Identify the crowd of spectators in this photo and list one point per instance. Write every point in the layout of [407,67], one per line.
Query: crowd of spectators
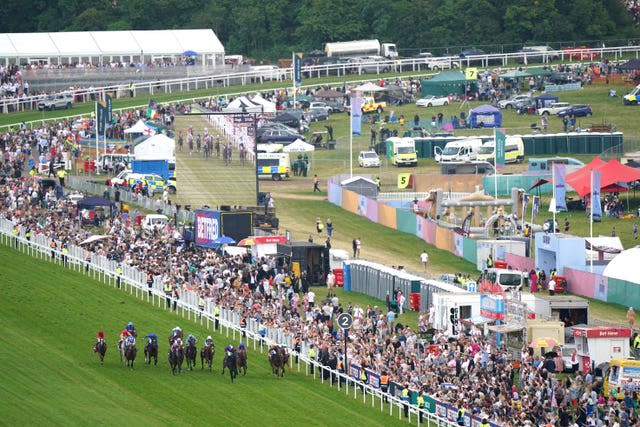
[634,8]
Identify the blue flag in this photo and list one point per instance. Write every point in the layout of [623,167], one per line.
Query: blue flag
[525,202]
[559,181]
[356,115]
[535,206]
[297,70]
[596,208]
[101,118]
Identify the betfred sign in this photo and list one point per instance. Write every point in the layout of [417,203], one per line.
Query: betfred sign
[602,332]
[207,224]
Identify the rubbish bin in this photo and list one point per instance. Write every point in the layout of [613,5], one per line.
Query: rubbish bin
[414,301]
[339,273]
[500,264]
[89,166]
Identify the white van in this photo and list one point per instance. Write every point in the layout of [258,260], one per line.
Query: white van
[462,150]
[513,150]
[507,279]
[153,222]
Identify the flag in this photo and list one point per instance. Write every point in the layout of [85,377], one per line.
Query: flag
[535,206]
[596,209]
[151,110]
[559,181]
[466,224]
[356,115]
[108,104]
[500,142]
[525,202]
[297,70]
[101,118]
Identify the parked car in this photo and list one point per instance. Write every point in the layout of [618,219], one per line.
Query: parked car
[280,136]
[317,114]
[563,78]
[432,101]
[580,53]
[119,180]
[56,101]
[478,61]
[321,105]
[553,108]
[368,159]
[430,62]
[373,64]
[512,101]
[581,110]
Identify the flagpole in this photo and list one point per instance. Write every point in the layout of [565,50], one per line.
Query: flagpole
[524,207]
[293,76]
[553,174]
[495,164]
[351,140]
[591,225]
[97,125]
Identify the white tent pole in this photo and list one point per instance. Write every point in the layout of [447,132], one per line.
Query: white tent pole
[591,225]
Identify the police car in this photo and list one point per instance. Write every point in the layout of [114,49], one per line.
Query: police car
[154,183]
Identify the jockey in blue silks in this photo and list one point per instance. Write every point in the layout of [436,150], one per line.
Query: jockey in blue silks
[152,337]
[191,339]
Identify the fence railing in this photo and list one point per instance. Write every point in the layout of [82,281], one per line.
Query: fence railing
[319,71]
[226,323]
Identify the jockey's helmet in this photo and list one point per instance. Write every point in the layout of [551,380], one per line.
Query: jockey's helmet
[209,338]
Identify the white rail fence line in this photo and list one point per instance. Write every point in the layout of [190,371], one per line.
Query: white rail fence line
[314,71]
[134,281]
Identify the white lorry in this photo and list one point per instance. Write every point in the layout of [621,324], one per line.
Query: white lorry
[462,150]
[361,48]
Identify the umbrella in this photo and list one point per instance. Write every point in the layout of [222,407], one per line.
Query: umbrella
[369,87]
[247,242]
[189,53]
[94,238]
[224,240]
[543,342]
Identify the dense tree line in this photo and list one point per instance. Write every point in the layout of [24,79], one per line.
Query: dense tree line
[274,28]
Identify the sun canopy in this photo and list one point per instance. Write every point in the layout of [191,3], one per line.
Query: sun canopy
[140,127]
[298,146]
[328,94]
[625,266]
[267,106]
[445,83]
[485,116]
[369,87]
[612,172]
[243,104]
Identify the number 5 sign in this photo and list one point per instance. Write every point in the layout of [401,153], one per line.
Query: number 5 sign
[345,320]
[404,180]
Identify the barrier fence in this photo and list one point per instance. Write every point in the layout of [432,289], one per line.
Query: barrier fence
[227,323]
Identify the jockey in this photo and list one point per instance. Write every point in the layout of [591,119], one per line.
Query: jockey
[99,339]
[242,347]
[131,329]
[175,333]
[123,335]
[209,341]
[229,350]
[192,340]
[177,343]
[152,337]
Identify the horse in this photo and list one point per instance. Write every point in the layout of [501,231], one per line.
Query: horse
[206,354]
[278,357]
[230,361]
[176,357]
[101,349]
[242,361]
[151,351]
[191,352]
[130,352]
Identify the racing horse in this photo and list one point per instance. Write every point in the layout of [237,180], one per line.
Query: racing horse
[101,348]
[191,353]
[151,351]
[230,361]
[176,357]
[242,360]
[206,355]
[130,352]
[278,358]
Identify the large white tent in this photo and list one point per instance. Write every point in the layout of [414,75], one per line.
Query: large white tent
[140,127]
[158,147]
[69,47]
[624,266]
[268,106]
[243,104]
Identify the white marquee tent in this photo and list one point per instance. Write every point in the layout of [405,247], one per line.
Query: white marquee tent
[158,147]
[268,106]
[624,266]
[70,47]
[243,104]
[140,127]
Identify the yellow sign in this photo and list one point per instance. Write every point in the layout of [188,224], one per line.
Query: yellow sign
[404,180]
[471,73]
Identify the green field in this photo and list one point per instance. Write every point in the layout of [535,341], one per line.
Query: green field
[50,376]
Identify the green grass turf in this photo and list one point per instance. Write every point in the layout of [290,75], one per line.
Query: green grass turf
[50,376]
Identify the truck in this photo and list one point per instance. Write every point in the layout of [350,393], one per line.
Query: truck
[402,151]
[157,167]
[361,48]
[513,153]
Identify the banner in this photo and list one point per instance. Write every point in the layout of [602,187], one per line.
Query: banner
[525,202]
[404,180]
[101,118]
[500,147]
[466,224]
[559,181]
[108,103]
[535,207]
[596,208]
[356,115]
[207,225]
[297,70]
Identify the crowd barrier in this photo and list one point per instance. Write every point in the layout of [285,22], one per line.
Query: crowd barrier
[228,323]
